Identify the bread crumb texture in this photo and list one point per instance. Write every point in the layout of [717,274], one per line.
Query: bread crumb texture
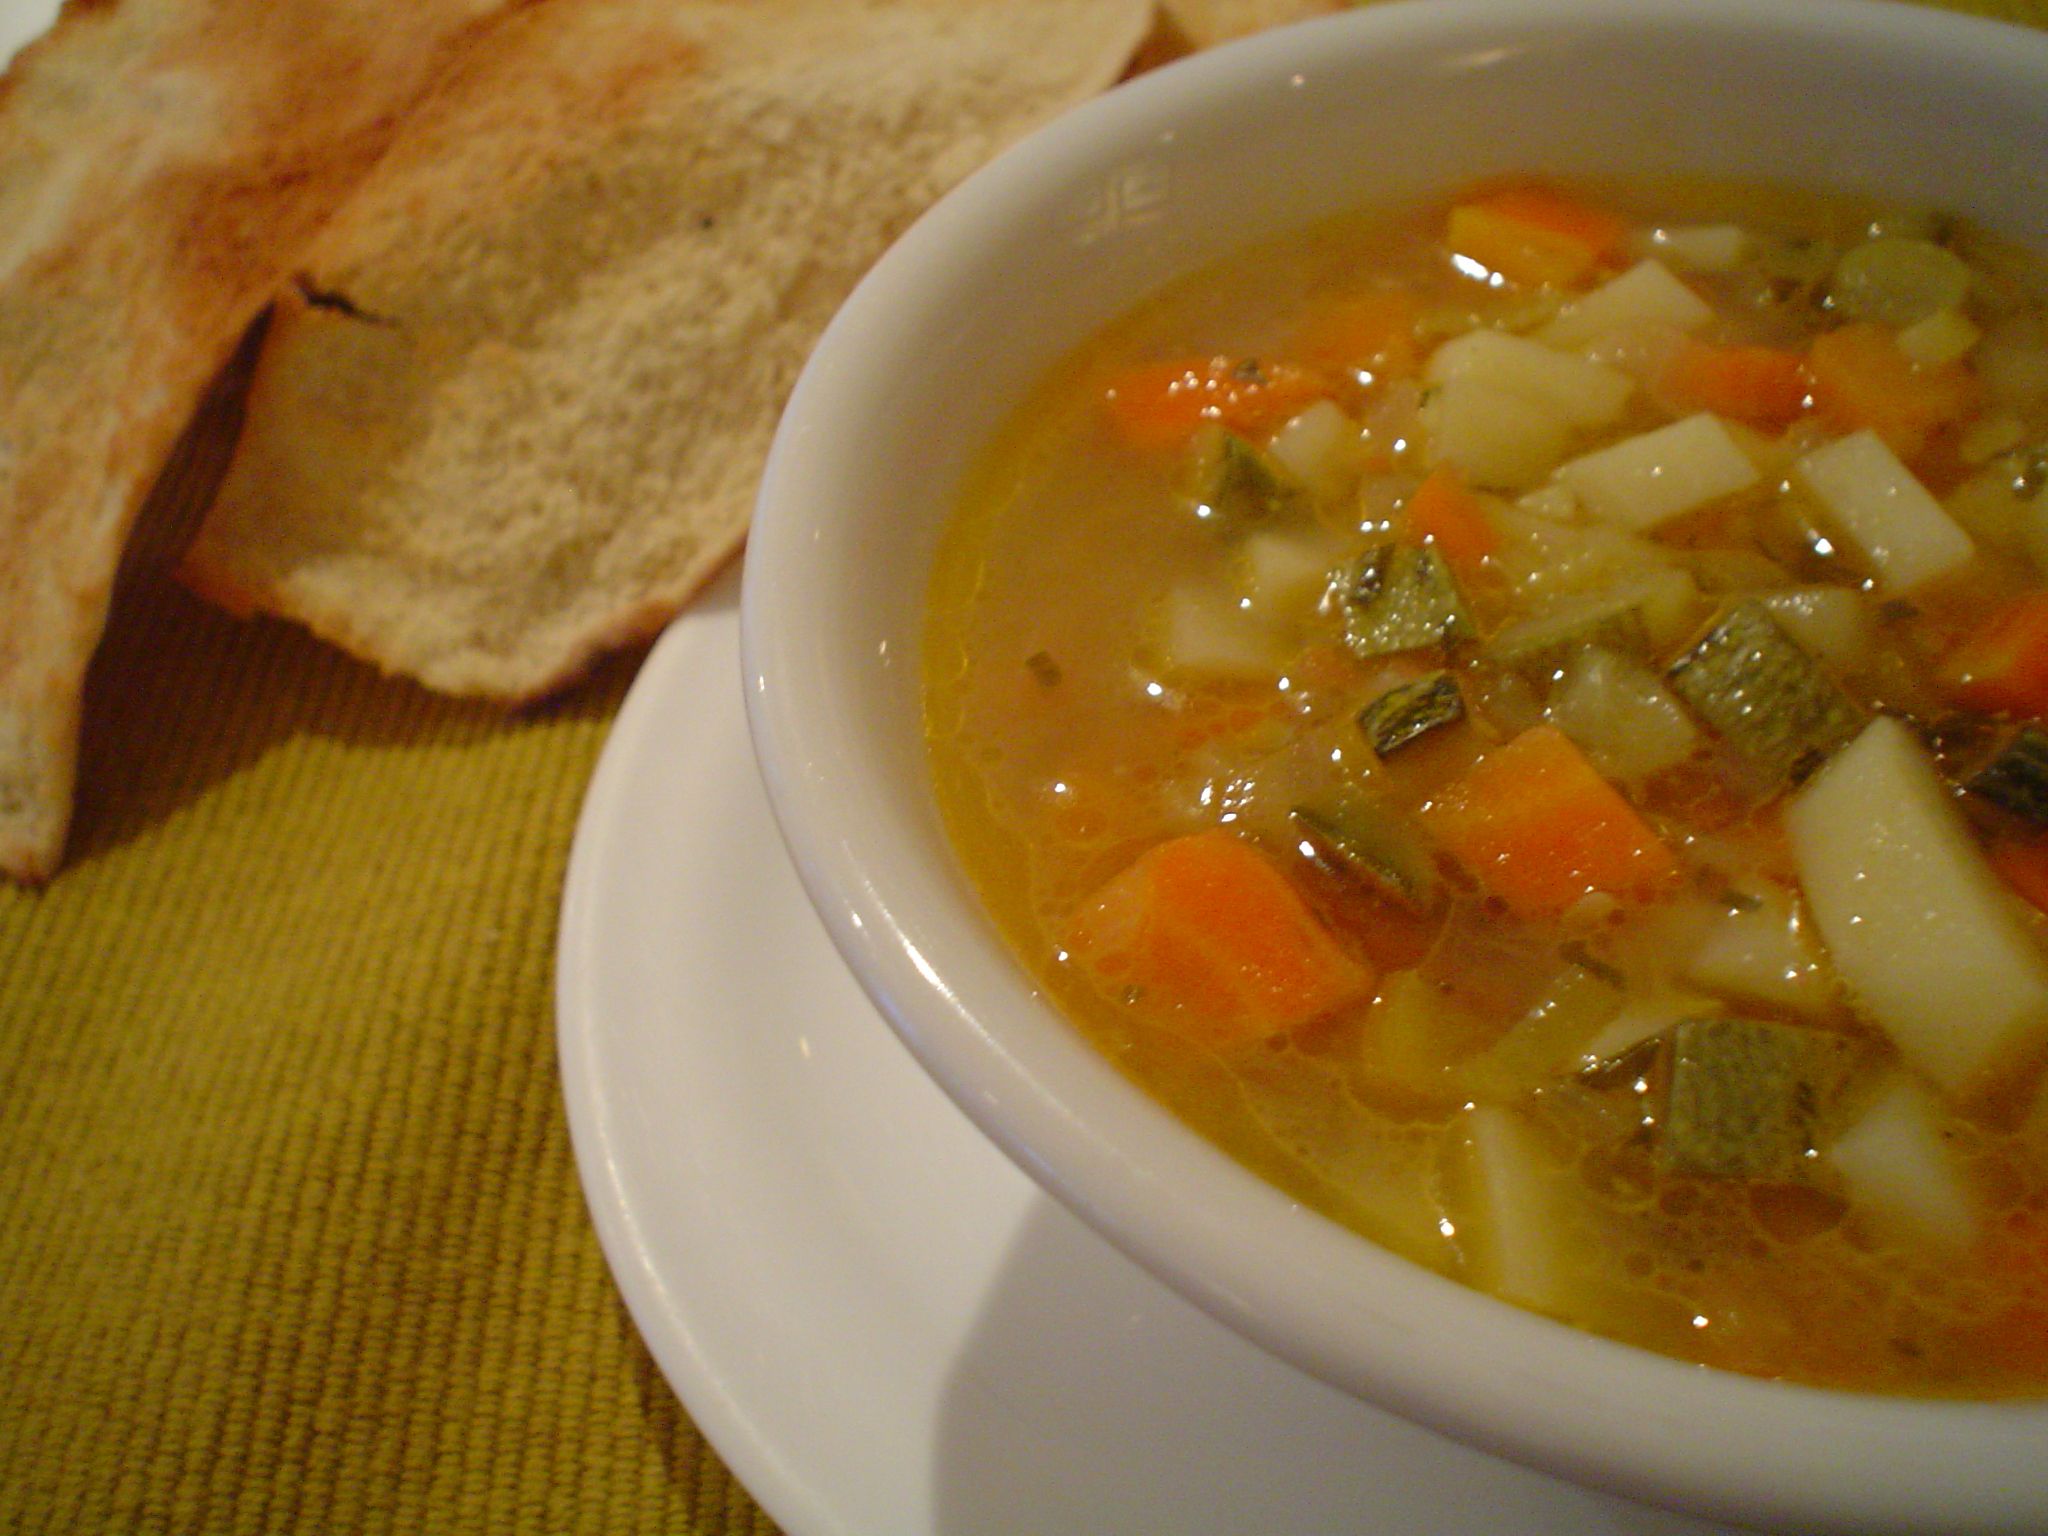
[517,409]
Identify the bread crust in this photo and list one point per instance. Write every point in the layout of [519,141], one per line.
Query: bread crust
[163,165]
[517,412]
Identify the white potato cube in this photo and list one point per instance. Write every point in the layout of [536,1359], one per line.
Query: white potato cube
[1877,505]
[1702,247]
[1924,933]
[1517,1250]
[1939,338]
[1586,394]
[1494,437]
[1212,632]
[1321,448]
[1624,718]
[1655,476]
[1764,954]
[1900,1170]
[1646,294]
[1830,624]
[1286,574]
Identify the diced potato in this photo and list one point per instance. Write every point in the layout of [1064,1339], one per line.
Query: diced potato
[1941,337]
[1899,1168]
[1654,476]
[1585,394]
[1994,509]
[1212,632]
[1877,505]
[1762,952]
[1553,501]
[1831,624]
[1321,448]
[1702,247]
[1626,721]
[1496,438]
[1646,293]
[1512,1239]
[1918,925]
[1286,574]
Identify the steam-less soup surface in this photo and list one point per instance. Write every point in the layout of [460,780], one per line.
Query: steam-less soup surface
[1520,719]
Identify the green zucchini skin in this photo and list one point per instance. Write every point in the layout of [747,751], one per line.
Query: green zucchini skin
[1747,1096]
[1403,598]
[1772,703]
[1410,711]
[2016,777]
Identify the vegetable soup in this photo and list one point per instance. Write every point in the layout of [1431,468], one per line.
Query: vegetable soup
[1522,719]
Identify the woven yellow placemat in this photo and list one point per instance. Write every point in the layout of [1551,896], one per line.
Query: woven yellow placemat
[290,1235]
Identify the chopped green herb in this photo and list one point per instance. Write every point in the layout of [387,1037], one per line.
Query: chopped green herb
[1371,850]
[1411,710]
[1575,952]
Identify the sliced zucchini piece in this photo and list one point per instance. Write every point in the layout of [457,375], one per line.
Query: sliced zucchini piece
[1897,280]
[1373,850]
[1746,1095]
[1237,484]
[1411,710]
[1769,700]
[2016,778]
[1402,598]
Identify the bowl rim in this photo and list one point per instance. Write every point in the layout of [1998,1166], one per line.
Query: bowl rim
[1925,1463]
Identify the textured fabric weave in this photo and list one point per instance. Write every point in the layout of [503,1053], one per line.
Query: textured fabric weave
[290,1236]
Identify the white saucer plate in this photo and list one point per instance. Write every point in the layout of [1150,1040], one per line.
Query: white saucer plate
[882,1325]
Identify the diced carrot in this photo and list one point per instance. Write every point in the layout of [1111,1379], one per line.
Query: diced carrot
[2024,864]
[1535,235]
[2002,665]
[1862,379]
[1536,825]
[1370,332]
[1216,942]
[1443,511]
[1161,405]
[1763,386]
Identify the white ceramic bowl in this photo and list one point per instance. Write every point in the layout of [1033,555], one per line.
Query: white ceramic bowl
[1026,260]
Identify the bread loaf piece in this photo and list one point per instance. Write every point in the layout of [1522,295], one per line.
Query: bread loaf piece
[516,411]
[163,166]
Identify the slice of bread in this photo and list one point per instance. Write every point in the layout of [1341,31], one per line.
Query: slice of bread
[163,166]
[516,410]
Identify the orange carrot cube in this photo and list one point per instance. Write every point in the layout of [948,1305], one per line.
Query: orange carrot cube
[1537,826]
